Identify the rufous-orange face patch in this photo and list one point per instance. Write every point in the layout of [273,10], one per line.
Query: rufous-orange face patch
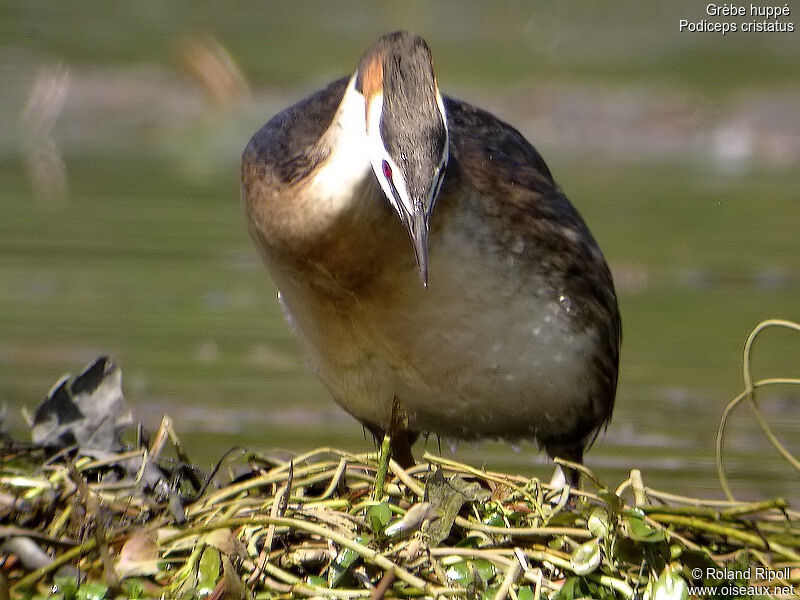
[372,77]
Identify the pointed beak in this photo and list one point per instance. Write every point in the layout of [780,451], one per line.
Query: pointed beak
[417,225]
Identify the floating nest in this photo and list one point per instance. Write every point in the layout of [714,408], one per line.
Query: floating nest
[82,518]
[78,527]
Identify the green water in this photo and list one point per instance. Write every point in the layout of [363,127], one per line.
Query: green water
[148,259]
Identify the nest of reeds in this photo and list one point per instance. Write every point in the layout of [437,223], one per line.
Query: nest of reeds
[309,526]
[83,522]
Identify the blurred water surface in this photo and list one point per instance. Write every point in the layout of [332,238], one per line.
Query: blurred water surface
[122,231]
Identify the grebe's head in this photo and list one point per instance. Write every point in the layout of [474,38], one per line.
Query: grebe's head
[406,131]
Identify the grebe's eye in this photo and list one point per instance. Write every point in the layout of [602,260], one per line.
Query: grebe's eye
[387,170]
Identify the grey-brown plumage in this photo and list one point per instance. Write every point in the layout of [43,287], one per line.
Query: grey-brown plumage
[516,334]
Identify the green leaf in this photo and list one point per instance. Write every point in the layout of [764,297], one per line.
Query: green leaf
[586,558]
[570,589]
[525,593]
[614,502]
[670,586]
[316,580]
[339,567]
[472,541]
[599,523]
[133,588]
[476,573]
[460,573]
[556,543]
[490,593]
[91,591]
[378,517]
[484,569]
[563,519]
[642,531]
[208,570]
[345,559]
[625,550]
[495,519]
[580,587]
[696,559]
[67,586]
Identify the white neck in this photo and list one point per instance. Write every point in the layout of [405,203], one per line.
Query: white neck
[336,183]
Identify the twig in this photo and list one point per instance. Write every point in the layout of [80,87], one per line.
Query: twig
[407,479]
[749,394]
[510,577]
[335,479]
[724,530]
[383,585]
[524,531]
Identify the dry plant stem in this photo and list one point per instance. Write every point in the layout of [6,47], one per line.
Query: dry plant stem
[749,394]
[614,583]
[299,587]
[301,458]
[537,591]
[667,497]
[500,556]
[510,577]
[234,490]
[276,585]
[310,591]
[524,531]
[639,493]
[622,487]
[113,460]
[672,534]
[176,441]
[753,507]
[766,427]
[732,532]
[407,479]
[383,586]
[160,439]
[731,513]
[335,479]
[438,571]
[275,511]
[765,563]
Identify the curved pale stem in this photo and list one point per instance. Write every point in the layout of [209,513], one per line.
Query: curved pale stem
[749,394]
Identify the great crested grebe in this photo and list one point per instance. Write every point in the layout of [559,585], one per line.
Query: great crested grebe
[499,319]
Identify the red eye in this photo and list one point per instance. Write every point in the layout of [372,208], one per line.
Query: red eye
[387,170]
